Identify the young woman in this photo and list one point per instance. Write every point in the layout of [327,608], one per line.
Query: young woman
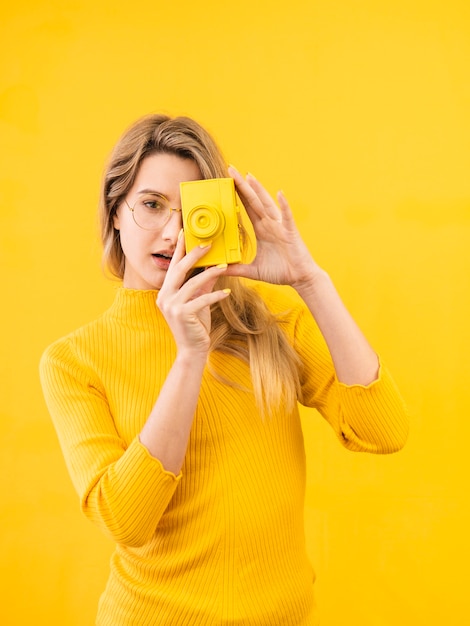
[177,409]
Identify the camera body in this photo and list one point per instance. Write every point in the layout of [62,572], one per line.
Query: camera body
[211,213]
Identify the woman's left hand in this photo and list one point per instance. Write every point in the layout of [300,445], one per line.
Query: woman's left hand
[281,257]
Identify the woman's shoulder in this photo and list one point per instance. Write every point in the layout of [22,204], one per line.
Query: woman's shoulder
[280,299]
[66,349]
[88,336]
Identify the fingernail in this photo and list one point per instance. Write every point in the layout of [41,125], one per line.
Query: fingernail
[205,245]
[227,291]
[251,175]
[222,266]
[232,167]
[180,234]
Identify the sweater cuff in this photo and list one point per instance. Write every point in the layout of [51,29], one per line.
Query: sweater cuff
[132,496]
[144,455]
[375,418]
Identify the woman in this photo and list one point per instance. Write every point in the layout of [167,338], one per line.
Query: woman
[177,409]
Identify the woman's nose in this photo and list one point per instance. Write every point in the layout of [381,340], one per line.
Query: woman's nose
[173,226]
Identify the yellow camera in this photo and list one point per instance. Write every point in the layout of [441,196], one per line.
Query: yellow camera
[211,214]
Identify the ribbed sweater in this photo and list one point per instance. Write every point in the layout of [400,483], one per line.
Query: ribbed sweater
[223,542]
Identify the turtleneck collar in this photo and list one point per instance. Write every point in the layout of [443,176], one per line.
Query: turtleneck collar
[135,305]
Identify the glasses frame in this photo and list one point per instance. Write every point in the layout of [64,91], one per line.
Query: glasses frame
[170,212]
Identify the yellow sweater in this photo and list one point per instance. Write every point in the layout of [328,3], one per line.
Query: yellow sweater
[223,542]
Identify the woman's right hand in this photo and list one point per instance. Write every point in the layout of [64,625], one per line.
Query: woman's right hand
[185,304]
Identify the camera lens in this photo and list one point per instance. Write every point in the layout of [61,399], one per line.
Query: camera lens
[205,221]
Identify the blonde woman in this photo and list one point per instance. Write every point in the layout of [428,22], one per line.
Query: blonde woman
[177,409]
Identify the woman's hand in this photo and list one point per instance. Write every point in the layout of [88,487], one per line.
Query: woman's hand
[185,304]
[282,256]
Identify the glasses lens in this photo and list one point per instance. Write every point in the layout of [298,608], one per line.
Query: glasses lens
[151,212]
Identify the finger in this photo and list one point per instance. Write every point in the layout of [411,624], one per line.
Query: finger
[286,211]
[206,299]
[202,282]
[243,270]
[181,264]
[247,195]
[265,198]
[254,196]
[180,249]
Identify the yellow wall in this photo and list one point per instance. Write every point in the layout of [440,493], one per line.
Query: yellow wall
[359,110]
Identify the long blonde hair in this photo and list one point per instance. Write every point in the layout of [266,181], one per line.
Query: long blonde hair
[241,325]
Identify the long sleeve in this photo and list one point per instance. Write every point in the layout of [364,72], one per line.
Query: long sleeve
[369,418]
[122,488]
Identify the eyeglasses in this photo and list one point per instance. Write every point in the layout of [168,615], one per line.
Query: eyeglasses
[151,211]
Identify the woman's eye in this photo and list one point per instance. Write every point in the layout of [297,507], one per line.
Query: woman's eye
[152,204]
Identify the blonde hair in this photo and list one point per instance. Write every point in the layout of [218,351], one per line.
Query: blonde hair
[241,325]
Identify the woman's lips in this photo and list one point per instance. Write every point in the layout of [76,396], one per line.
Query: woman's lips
[162,261]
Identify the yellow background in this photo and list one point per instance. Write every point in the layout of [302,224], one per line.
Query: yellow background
[359,111]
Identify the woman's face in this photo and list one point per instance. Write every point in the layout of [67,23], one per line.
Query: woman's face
[148,252]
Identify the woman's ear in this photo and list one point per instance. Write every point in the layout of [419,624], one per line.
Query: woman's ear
[116,220]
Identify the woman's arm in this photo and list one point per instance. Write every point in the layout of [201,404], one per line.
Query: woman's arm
[125,488]
[355,361]
[186,308]
[283,258]
[112,477]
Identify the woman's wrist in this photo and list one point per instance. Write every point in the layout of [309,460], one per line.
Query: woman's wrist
[308,286]
[191,359]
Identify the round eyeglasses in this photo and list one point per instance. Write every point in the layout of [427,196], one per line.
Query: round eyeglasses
[151,211]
